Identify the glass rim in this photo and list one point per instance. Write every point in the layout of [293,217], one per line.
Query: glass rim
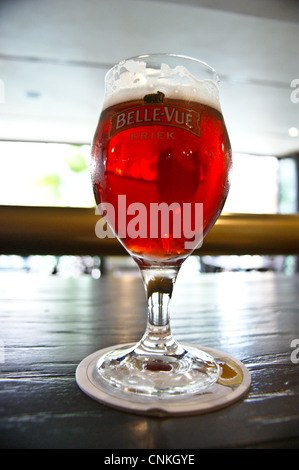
[166,54]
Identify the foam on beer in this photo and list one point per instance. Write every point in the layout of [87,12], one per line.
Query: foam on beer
[131,80]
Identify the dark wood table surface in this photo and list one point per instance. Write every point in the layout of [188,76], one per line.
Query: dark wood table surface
[50,323]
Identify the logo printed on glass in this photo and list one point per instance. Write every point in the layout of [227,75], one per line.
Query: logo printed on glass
[153,112]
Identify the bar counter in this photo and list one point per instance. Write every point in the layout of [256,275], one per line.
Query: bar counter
[50,323]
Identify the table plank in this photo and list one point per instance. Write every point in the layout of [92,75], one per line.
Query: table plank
[49,324]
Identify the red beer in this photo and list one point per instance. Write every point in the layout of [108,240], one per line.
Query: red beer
[161,150]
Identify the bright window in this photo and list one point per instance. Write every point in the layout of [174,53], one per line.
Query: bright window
[46,174]
[39,174]
[254,185]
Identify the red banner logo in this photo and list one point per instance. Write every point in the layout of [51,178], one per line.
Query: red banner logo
[157,114]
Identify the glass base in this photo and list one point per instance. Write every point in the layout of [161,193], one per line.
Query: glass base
[133,371]
[152,390]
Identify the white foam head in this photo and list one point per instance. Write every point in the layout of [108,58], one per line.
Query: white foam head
[132,79]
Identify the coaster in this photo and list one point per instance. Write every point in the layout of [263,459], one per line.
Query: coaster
[232,385]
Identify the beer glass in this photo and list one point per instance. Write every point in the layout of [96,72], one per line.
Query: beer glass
[161,162]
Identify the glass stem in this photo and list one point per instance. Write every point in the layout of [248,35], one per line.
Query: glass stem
[158,339]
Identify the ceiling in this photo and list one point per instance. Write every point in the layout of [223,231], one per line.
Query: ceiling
[54,55]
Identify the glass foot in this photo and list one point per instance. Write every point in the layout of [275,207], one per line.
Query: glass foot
[163,386]
[133,371]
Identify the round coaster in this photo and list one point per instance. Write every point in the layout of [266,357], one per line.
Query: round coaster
[233,383]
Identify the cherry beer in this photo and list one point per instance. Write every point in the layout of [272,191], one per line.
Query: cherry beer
[161,149]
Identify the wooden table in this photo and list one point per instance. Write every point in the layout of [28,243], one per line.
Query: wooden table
[49,324]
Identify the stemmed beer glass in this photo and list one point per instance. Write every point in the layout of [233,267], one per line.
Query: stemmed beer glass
[161,162]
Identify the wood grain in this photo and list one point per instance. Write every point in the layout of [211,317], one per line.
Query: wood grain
[49,324]
[69,231]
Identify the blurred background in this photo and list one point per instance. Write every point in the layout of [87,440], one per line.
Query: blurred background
[53,59]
